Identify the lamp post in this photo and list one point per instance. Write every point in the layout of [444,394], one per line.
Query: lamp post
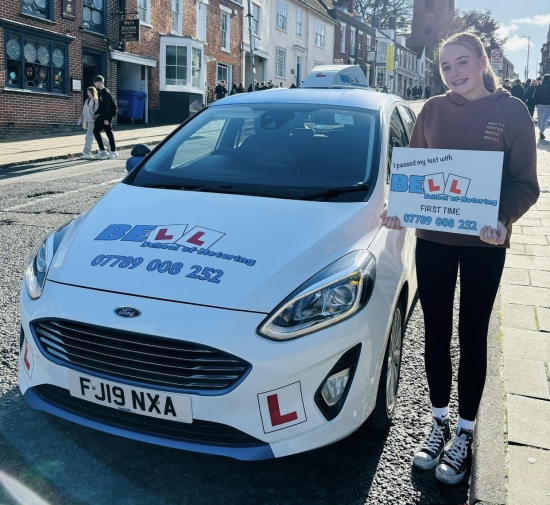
[528,47]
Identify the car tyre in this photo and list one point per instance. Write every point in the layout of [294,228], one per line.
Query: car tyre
[386,398]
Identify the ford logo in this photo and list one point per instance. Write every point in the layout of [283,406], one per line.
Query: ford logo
[127,312]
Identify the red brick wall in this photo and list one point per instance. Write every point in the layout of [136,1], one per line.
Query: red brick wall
[27,112]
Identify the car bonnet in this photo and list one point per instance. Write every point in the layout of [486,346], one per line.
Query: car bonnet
[258,249]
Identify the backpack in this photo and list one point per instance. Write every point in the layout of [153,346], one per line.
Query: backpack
[543,93]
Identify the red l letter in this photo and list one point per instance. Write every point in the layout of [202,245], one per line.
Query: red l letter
[161,235]
[454,188]
[275,412]
[195,238]
[432,186]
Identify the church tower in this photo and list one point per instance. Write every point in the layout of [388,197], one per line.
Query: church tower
[431,22]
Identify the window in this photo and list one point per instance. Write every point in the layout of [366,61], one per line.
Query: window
[223,73]
[280,62]
[381,52]
[422,68]
[397,138]
[255,19]
[176,65]
[144,14]
[369,42]
[281,14]
[408,119]
[429,5]
[225,31]
[39,8]
[343,38]
[196,67]
[35,63]
[93,15]
[176,16]
[380,76]
[201,21]
[299,16]
[320,34]
[352,43]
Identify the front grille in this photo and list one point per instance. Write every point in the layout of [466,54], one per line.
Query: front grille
[138,359]
[198,431]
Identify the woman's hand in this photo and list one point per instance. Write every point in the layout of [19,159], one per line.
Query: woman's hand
[392,222]
[492,236]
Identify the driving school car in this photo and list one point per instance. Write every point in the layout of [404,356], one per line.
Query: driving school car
[235,294]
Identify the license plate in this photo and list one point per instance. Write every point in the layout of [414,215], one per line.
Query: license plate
[145,402]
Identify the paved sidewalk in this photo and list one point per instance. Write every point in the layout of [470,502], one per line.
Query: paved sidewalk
[46,147]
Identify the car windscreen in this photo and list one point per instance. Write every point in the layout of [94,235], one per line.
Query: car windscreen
[297,151]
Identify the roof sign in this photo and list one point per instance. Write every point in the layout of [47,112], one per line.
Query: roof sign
[336,76]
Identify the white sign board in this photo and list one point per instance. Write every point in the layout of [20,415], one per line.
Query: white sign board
[445,189]
[338,61]
[497,59]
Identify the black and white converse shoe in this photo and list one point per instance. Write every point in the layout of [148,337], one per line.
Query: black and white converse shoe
[427,455]
[456,458]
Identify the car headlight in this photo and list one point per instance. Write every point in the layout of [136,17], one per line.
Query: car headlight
[40,259]
[335,293]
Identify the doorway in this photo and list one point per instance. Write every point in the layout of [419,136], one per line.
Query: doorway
[93,63]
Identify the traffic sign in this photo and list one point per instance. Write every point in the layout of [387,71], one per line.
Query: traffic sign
[497,57]
[338,61]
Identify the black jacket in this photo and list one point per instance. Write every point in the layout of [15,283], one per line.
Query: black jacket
[542,94]
[107,105]
[530,92]
[518,91]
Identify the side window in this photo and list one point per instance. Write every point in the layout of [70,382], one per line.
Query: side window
[397,138]
[408,118]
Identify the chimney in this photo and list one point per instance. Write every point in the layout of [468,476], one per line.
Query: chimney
[348,4]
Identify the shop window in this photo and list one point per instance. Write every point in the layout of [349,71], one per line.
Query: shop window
[39,8]
[93,15]
[35,63]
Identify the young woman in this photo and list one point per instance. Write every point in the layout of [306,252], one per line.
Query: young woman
[87,120]
[458,120]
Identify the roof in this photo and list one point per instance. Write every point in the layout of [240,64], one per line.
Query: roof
[322,7]
[362,98]
[417,49]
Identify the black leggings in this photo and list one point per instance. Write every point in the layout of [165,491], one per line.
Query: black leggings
[98,126]
[480,273]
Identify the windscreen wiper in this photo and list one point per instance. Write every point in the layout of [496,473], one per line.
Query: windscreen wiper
[213,188]
[337,190]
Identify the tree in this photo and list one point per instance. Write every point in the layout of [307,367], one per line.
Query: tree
[384,9]
[481,24]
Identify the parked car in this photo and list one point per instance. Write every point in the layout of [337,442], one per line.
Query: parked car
[235,294]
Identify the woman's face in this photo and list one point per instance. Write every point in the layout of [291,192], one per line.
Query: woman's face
[90,94]
[462,70]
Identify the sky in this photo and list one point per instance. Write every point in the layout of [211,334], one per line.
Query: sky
[518,18]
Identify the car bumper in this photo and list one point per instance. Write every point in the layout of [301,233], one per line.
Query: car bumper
[293,370]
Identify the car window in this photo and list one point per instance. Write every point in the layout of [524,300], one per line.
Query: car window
[397,138]
[280,150]
[408,119]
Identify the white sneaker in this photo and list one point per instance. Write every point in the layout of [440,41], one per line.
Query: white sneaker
[101,155]
[113,155]
[86,157]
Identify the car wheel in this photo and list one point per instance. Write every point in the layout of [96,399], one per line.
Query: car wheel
[386,398]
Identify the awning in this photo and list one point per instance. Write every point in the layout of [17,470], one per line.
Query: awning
[134,58]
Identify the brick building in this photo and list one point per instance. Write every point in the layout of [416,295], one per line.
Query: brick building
[353,38]
[49,51]
[545,56]
[431,22]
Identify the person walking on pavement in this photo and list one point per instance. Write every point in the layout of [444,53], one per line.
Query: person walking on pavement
[542,101]
[240,88]
[457,120]
[103,118]
[530,97]
[89,110]
[234,90]
[526,85]
[427,92]
[506,85]
[409,92]
[414,92]
[518,90]
[220,90]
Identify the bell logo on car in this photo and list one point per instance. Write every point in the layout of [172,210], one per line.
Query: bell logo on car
[127,312]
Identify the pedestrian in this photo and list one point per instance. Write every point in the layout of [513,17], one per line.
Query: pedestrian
[542,101]
[414,92]
[518,90]
[377,89]
[269,84]
[530,97]
[385,89]
[449,122]
[526,85]
[409,92]
[255,86]
[234,89]
[281,84]
[103,119]
[506,85]
[220,90]
[89,110]
[240,89]
[427,91]
[262,86]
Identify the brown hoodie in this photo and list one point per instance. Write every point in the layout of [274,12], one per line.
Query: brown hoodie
[498,122]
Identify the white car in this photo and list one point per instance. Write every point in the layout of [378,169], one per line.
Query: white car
[235,294]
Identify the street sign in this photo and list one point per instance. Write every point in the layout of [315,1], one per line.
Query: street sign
[497,58]
[128,30]
[338,61]
[370,56]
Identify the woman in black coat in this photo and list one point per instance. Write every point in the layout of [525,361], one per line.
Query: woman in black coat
[530,97]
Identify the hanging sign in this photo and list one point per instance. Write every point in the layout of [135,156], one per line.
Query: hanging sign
[67,9]
[128,30]
[445,189]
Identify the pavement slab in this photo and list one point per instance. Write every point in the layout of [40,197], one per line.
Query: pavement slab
[529,262]
[539,278]
[528,421]
[516,248]
[537,250]
[519,316]
[530,230]
[515,276]
[526,378]
[525,344]
[528,239]
[527,294]
[526,221]
[543,314]
[529,482]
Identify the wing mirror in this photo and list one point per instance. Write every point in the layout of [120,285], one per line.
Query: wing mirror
[139,152]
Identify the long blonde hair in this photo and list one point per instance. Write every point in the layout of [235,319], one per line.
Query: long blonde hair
[474,44]
[93,91]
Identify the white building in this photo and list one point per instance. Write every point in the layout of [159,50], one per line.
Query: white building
[301,36]
[262,23]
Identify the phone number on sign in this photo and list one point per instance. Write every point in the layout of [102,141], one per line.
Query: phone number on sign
[197,272]
[440,221]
